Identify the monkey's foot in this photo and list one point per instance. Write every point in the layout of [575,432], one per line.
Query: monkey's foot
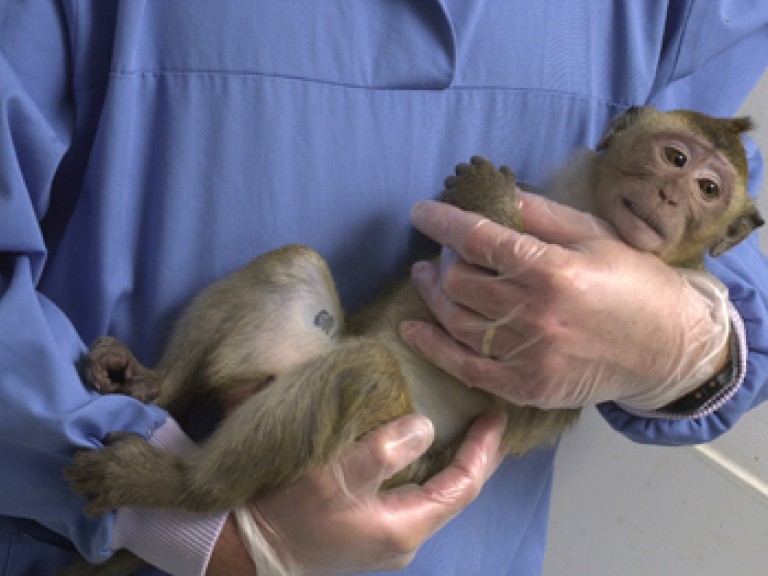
[129,472]
[111,367]
[482,188]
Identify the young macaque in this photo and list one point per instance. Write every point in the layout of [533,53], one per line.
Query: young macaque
[299,383]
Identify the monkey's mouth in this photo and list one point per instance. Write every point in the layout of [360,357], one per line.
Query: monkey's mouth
[643,216]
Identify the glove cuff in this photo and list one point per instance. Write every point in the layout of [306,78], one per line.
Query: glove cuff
[263,555]
[710,392]
[712,398]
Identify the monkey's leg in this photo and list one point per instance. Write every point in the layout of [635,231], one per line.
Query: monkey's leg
[273,314]
[302,420]
[482,188]
[111,367]
[305,421]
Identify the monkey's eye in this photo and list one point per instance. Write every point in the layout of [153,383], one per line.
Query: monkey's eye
[709,189]
[675,157]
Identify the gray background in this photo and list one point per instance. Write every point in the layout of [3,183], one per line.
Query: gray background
[757,107]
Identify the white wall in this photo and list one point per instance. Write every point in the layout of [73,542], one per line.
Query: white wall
[621,509]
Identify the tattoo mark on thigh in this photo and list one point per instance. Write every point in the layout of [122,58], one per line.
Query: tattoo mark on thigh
[324,320]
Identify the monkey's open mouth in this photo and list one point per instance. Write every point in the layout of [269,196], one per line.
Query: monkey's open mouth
[643,216]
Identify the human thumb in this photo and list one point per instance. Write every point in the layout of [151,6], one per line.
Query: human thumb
[557,223]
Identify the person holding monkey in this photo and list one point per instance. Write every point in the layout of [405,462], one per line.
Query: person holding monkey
[130,127]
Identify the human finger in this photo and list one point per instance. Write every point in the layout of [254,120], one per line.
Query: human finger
[558,223]
[382,453]
[475,238]
[464,324]
[499,298]
[458,360]
[425,509]
[482,242]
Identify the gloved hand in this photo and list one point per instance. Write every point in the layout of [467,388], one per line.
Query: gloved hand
[336,520]
[566,315]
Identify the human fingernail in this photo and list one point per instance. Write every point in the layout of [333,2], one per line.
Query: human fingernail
[423,271]
[415,433]
[417,209]
[521,197]
[409,331]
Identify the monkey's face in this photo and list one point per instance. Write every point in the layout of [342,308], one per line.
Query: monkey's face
[668,192]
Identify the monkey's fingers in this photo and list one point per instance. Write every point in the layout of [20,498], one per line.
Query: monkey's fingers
[481,188]
[86,482]
[107,364]
[144,386]
[111,367]
[108,477]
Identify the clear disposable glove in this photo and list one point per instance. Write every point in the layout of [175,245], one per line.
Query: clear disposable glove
[337,521]
[565,315]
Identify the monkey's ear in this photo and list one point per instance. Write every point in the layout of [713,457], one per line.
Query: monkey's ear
[620,123]
[741,124]
[740,228]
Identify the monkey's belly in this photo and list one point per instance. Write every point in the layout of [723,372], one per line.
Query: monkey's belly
[450,404]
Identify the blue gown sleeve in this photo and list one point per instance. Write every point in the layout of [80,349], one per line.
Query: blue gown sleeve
[713,56]
[46,413]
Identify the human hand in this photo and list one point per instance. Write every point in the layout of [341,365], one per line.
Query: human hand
[566,315]
[337,520]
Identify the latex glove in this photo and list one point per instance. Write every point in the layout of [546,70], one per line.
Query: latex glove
[337,521]
[566,315]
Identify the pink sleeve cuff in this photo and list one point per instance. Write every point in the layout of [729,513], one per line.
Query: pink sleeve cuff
[175,542]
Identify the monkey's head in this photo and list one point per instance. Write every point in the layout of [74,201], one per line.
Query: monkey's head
[674,183]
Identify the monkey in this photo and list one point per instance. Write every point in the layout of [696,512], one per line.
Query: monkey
[299,382]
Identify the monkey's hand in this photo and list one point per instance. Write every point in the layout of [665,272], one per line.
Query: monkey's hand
[569,317]
[111,367]
[337,520]
[482,188]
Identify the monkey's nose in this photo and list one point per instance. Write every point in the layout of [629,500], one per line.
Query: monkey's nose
[666,198]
